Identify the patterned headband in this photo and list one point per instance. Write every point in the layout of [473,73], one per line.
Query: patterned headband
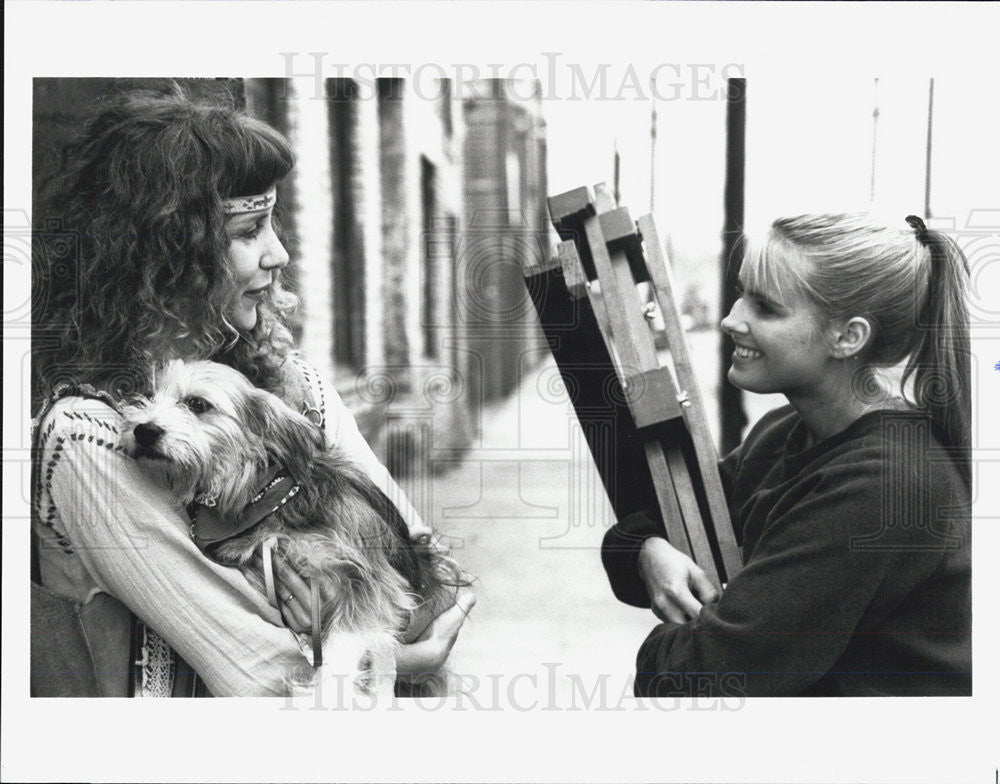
[241,204]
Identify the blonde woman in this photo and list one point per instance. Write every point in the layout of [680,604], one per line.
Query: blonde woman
[851,503]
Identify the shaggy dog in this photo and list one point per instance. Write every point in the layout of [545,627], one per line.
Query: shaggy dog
[260,473]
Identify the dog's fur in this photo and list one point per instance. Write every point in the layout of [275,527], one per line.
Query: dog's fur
[338,528]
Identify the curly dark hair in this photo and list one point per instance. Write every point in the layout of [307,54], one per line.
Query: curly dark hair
[139,194]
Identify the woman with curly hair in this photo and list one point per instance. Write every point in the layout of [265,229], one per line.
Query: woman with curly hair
[851,503]
[175,254]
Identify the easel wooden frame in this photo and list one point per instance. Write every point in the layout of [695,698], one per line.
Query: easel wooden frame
[651,444]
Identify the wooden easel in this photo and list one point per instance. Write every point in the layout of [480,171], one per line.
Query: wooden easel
[650,442]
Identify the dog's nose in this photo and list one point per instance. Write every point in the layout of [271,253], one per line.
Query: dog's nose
[146,434]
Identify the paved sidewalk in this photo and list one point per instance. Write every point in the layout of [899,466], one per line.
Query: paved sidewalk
[525,512]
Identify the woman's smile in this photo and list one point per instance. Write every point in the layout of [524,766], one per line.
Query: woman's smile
[745,353]
[780,345]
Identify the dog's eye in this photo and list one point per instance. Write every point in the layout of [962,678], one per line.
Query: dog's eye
[198,405]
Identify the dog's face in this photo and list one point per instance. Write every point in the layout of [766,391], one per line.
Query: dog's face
[207,432]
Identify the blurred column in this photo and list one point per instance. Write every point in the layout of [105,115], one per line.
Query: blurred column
[350,251]
[504,177]
[369,219]
[393,176]
[308,131]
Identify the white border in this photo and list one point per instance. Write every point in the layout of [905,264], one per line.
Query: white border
[770,740]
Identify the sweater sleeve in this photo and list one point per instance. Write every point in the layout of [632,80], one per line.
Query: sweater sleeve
[623,543]
[784,620]
[620,555]
[342,431]
[132,537]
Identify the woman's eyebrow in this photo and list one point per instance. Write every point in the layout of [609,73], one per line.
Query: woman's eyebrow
[762,297]
[247,218]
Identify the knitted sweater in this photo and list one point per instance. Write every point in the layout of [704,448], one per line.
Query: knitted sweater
[857,570]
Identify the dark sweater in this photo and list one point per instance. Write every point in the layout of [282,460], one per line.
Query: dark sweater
[857,575]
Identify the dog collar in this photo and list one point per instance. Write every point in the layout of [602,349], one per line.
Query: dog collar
[209,526]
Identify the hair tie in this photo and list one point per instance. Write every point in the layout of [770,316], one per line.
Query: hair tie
[919,229]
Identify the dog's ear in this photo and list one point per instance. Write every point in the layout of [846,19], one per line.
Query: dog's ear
[289,437]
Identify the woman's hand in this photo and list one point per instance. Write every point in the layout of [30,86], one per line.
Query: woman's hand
[430,650]
[294,598]
[427,653]
[677,586]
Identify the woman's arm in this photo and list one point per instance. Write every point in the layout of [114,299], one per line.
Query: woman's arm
[785,619]
[620,552]
[626,543]
[132,537]
[342,430]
